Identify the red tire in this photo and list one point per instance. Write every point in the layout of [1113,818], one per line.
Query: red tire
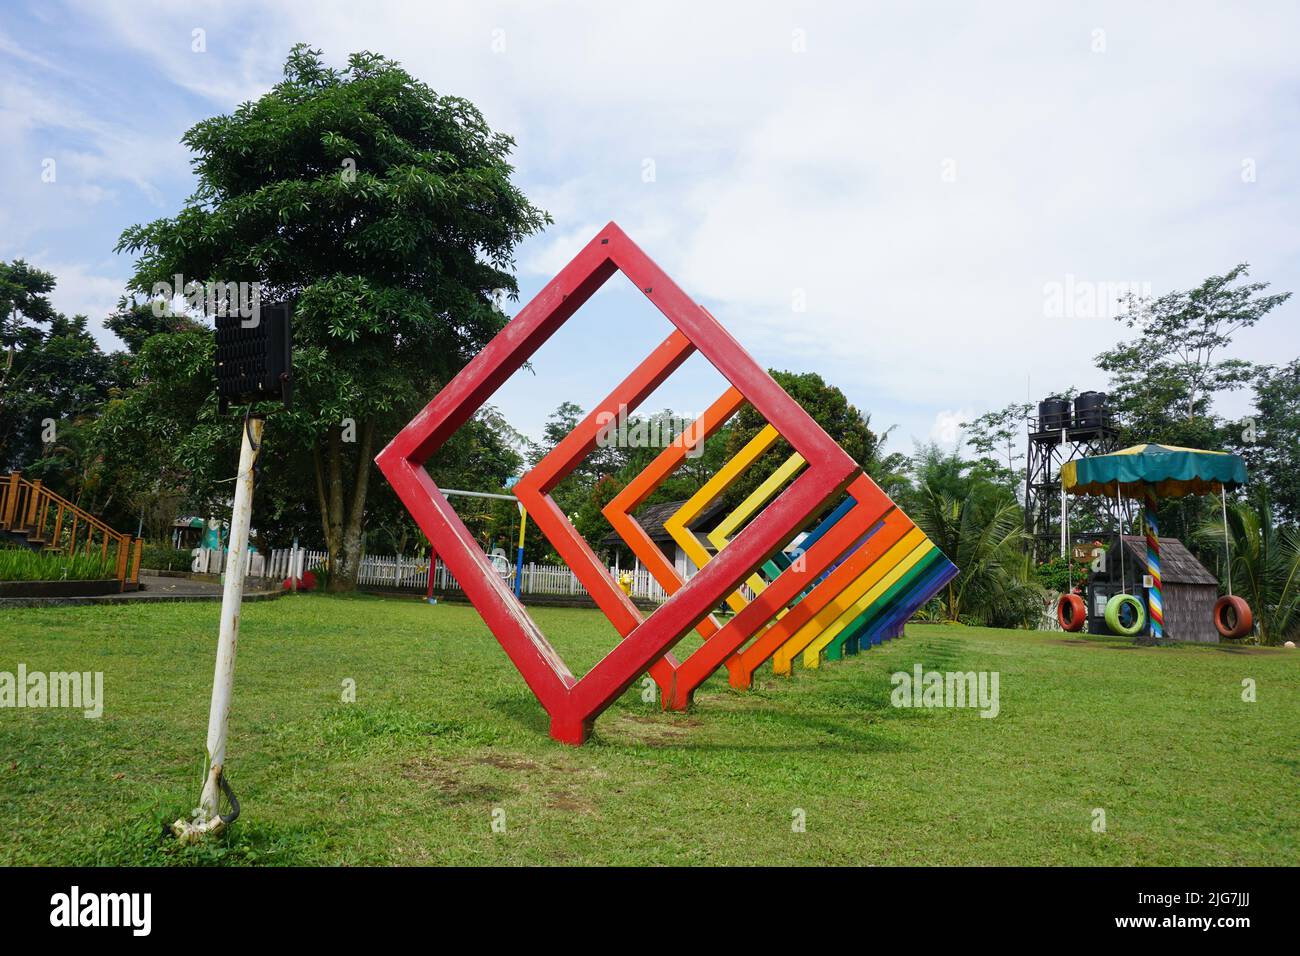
[1232,617]
[1071,612]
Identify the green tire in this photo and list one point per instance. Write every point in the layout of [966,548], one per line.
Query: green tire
[1116,605]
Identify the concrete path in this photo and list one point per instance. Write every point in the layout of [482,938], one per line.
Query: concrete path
[153,589]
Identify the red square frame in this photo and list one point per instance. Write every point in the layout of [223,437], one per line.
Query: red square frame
[574,703]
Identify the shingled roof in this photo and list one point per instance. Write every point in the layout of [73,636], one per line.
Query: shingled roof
[652,518]
[1177,564]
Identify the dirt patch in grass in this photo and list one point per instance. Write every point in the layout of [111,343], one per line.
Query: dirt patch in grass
[460,780]
[448,780]
[571,803]
[504,762]
[650,731]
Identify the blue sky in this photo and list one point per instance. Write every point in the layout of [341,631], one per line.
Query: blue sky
[885,194]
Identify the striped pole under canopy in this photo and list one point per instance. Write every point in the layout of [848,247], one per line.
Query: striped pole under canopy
[1155,600]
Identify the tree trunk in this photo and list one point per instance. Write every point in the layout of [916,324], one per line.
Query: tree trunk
[344,522]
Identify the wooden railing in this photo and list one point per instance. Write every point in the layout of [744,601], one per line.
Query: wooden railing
[54,523]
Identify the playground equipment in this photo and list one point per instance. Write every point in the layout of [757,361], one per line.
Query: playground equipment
[1150,472]
[499,561]
[1071,612]
[1232,617]
[1125,615]
[573,703]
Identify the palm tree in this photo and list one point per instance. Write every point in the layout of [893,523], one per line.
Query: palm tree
[1265,564]
[983,537]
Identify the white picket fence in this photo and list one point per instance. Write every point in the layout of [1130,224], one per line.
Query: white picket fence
[292,562]
[213,560]
[644,586]
[412,573]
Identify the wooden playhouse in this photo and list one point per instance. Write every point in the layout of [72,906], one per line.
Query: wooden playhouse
[1189,590]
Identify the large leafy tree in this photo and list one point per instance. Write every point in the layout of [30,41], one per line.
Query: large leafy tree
[997,438]
[1164,382]
[53,378]
[387,212]
[1270,438]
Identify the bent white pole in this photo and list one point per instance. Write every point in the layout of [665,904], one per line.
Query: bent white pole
[207,818]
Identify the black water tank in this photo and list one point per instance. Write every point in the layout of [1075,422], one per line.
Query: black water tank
[1053,414]
[1090,410]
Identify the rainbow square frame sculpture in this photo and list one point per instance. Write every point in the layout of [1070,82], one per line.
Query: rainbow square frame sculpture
[897,585]
[885,620]
[823,604]
[865,606]
[903,590]
[872,598]
[571,702]
[865,513]
[845,611]
[861,514]
[867,593]
[779,594]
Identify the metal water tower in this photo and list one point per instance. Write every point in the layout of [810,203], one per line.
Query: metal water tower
[1059,434]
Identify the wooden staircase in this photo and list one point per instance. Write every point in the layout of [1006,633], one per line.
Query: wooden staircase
[44,521]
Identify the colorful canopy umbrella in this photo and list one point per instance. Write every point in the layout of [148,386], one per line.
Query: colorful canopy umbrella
[1151,472]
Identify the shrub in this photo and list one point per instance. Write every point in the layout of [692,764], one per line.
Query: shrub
[306,583]
[19,564]
[1052,574]
[163,557]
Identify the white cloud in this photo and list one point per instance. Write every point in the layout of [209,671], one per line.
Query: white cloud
[81,292]
[51,126]
[824,171]
[947,430]
[559,245]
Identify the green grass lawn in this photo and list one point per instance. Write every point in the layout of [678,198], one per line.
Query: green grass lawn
[444,732]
